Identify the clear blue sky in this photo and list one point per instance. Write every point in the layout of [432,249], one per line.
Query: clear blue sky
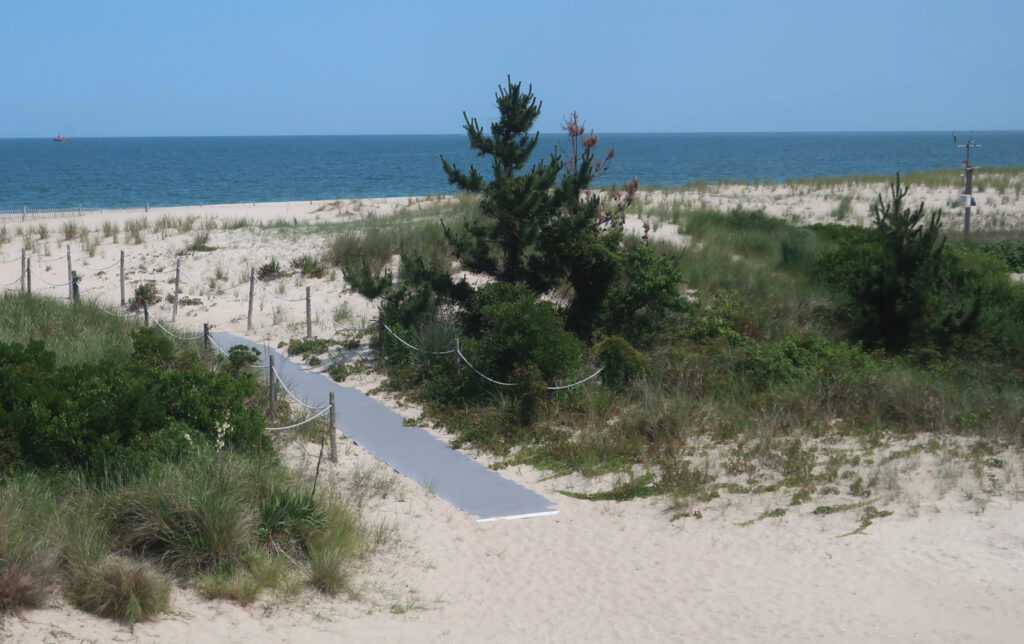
[97,68]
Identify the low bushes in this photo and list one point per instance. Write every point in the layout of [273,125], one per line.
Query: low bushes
[115,415]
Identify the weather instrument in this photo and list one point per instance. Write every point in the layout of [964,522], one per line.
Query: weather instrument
[967,198]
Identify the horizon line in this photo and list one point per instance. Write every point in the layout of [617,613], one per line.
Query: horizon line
[560,133]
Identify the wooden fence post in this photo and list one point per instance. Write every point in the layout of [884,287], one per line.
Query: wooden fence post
[145,313]
[74,286]
[272,383]
[122,278]
[28,274]
[309,316]
[71,288]
[334,437]
[22,270]
[177,290]
[206,336]
[252,293]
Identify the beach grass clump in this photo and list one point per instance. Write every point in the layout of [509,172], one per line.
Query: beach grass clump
[110,230]
[200,243]
[269,270]
[127,590]
[29,559]
[308,266]
[135,229]
[71,230]
[5,236]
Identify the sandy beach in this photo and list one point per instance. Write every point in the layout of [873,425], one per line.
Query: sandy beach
[946,566]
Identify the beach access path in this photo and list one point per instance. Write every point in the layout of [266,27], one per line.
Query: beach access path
[412,451]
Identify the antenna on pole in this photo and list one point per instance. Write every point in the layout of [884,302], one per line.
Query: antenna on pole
[967,197]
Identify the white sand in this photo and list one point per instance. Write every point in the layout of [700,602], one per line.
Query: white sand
[948,566]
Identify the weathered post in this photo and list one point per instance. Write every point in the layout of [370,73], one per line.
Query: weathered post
[145,313]
[79,210]
[252,293]
[22,270]
[177,290]
[74,286]
[28,274]
[309,316]
[333,433]
[206,336]
[122,278]
[71,288]
[272,383]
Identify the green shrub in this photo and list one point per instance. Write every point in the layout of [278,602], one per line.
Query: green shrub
[622,363]
[904,288]
[365,280]
[144,293]
[646,296]
[116,415]
[512,329]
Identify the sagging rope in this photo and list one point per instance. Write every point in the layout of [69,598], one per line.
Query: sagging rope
[95,302]
[90,268]
[331,320]
[40,260]
[463,357]
[46,281]
[175,335]
[142,270]
[211,288]
[227,354]
[8,261]
[16,281]
[289,391]
[323,410]
[273,294]
[433,353]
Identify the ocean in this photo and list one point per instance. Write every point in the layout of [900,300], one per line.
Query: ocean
[130,172]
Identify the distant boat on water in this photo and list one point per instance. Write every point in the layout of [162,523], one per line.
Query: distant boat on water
[60,138]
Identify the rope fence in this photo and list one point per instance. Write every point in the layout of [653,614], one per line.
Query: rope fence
[311,305]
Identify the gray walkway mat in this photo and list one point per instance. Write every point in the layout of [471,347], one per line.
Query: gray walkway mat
[411,451]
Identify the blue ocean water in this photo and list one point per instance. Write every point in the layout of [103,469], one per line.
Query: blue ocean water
[130,172]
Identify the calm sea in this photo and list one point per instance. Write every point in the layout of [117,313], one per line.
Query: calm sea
[129,172]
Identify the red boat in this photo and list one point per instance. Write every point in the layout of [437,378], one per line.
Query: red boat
[60,138]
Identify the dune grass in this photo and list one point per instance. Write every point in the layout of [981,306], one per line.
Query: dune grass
[236,525]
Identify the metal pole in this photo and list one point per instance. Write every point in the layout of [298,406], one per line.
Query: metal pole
[122,278]
[71,288]
[272,383]
[252,293]
[177,279]
[334,437]
[309,316]
[968,177]
[28,274]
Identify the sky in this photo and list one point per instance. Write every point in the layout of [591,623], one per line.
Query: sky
[212,68]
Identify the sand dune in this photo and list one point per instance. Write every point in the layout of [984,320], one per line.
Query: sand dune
[945,567]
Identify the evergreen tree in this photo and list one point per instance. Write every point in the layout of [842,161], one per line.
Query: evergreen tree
[514,205]
[905,292]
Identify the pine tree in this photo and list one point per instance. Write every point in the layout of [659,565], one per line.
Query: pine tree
[515,205]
